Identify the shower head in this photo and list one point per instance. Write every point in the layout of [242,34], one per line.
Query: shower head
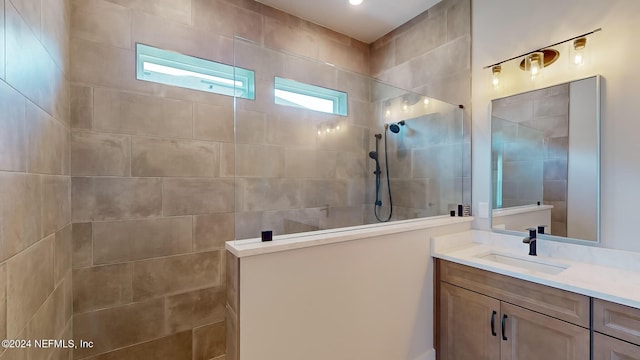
[373,155]
[395,127]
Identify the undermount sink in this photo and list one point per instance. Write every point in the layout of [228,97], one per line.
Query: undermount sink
[530,263]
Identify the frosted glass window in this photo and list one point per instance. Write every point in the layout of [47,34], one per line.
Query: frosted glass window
[172,68]
[293,93]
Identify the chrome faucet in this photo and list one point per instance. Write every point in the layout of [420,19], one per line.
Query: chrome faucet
[532,241]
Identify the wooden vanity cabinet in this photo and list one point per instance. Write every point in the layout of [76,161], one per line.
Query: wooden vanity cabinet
[486,316]
[616,331]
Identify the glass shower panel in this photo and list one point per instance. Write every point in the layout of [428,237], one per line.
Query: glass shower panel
[517,157]
[298,170]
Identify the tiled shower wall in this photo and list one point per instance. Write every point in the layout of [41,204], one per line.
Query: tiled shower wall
[35,207]
[292,175]
[431,55]
[152,170]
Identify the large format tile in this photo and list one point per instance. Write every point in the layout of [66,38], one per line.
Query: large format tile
[47,142]
[195,308]
[56,203]
[128,113]
[271,194]
[278,35]
[160,157]
[162,276]
[113,328]
[20,212]
[174,347]
[168,34]
[96,154]
[169,9]
[319,193]
[115,198]
[260,160]
[209,341]
[225,18]
[47,323]
[197,196]
[13,146]
[353,56]
[31,13]
[232,281]
[101,21]
[82,247]
[56,26]
[214,122]
[30,69]
[63,253]
[211,231]
[29,283]
[100,287]
[104,65]
[420,38]
[81,98]
[118,241]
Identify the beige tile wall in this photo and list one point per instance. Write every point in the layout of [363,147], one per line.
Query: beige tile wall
[35,186]
[152,166]
[431,54]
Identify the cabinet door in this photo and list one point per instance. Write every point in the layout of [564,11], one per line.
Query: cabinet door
[465,325]
[608,348]
[533,336]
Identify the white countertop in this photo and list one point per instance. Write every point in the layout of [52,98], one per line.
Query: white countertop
[250,247]
[607,274]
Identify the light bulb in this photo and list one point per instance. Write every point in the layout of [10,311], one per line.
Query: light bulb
[387,113]
[405,107]
[495,80]
[355,2]
[338,127]
[578,53]
[534,64]
[426,101]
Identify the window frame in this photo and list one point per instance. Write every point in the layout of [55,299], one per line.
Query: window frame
[339,99]
[208,69]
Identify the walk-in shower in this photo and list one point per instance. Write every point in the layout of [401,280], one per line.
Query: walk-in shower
[394,128]
[395,154]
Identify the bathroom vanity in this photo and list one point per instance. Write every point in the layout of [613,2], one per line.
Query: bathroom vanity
[492,301]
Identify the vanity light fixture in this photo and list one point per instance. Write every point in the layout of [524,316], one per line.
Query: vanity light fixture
[355,2]
[578,53]
[495,78]
[536,60]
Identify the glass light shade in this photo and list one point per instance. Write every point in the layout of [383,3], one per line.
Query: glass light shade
[578,56]
[495,77]
[534,63]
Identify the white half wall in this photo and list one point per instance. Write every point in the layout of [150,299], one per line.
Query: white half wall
[368,299]
[503,29]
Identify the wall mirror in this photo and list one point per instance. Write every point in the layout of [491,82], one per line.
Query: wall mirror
[545,161]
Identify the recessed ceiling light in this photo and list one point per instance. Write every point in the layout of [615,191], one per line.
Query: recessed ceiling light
[355,2]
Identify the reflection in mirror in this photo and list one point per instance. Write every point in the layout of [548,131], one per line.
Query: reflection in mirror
[545,160]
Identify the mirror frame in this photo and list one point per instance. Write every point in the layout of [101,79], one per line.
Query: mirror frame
[598,104]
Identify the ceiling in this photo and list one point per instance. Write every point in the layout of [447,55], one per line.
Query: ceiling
[366,22]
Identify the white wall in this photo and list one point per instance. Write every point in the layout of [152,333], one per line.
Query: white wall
[362,299]
[502,29]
